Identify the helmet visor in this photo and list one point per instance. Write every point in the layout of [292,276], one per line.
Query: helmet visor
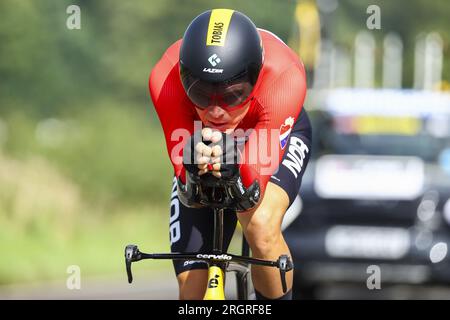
[230,93]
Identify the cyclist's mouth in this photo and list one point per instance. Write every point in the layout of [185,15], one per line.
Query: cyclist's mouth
[217,125]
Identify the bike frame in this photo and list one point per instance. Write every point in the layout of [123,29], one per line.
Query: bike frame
[219,263]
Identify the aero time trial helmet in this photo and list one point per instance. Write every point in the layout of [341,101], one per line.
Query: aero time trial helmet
[220,58]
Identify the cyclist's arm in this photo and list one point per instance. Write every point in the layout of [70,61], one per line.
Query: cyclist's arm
[175,114]
[281,100]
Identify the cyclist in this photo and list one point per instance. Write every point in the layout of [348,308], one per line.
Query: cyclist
[230,75]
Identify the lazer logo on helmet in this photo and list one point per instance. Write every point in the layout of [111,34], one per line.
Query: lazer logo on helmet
[212,70]
[214,60]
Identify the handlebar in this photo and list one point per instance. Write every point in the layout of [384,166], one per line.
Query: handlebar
[132,254]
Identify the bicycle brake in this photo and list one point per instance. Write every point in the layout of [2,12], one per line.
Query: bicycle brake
[284,263]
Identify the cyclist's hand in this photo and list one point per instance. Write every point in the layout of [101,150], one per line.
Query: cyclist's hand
[208,158]
[201,152]
[216,152]
[223,156]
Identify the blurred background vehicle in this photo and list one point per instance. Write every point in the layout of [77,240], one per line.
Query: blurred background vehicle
[83,166]
[377,192]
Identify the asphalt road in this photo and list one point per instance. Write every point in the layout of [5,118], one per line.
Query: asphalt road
[144,287]
[164,287]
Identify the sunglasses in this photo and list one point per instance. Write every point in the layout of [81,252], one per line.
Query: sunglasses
[229,94]
[228,97]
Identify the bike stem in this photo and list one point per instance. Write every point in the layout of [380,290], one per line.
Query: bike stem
[218,230]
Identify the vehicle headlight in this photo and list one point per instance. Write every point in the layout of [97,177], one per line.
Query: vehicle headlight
[447,211]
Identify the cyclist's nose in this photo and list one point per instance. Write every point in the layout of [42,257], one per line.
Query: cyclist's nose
[216,111]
